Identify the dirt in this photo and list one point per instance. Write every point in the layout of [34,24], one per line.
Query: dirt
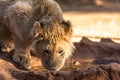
[90,6]
[90,61]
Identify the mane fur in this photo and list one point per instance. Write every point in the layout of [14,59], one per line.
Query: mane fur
[54,33]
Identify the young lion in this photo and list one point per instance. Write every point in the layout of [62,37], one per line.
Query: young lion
[24,23]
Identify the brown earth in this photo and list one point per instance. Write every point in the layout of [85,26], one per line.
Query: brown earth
[90,5]
[91,61]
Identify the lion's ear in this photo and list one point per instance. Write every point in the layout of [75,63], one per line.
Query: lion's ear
[35,31]
[67,27]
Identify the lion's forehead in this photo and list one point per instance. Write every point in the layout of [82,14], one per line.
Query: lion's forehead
[56,46]
[54,35]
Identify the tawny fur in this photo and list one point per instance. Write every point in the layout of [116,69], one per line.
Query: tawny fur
[24,22]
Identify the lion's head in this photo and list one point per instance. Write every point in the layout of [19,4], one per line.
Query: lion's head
[53,45]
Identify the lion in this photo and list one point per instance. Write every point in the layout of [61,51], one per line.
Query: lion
[55,46]
[37,25]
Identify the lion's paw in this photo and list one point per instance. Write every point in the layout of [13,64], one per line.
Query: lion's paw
[7,47]
[23,61]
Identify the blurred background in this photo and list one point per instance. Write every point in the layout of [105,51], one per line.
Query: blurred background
[94,19]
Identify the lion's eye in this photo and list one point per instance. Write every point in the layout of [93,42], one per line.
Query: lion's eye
[61,52]
[46,52]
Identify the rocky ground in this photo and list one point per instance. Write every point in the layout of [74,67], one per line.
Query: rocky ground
[91,61]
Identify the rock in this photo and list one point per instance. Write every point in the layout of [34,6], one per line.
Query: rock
[105,49]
